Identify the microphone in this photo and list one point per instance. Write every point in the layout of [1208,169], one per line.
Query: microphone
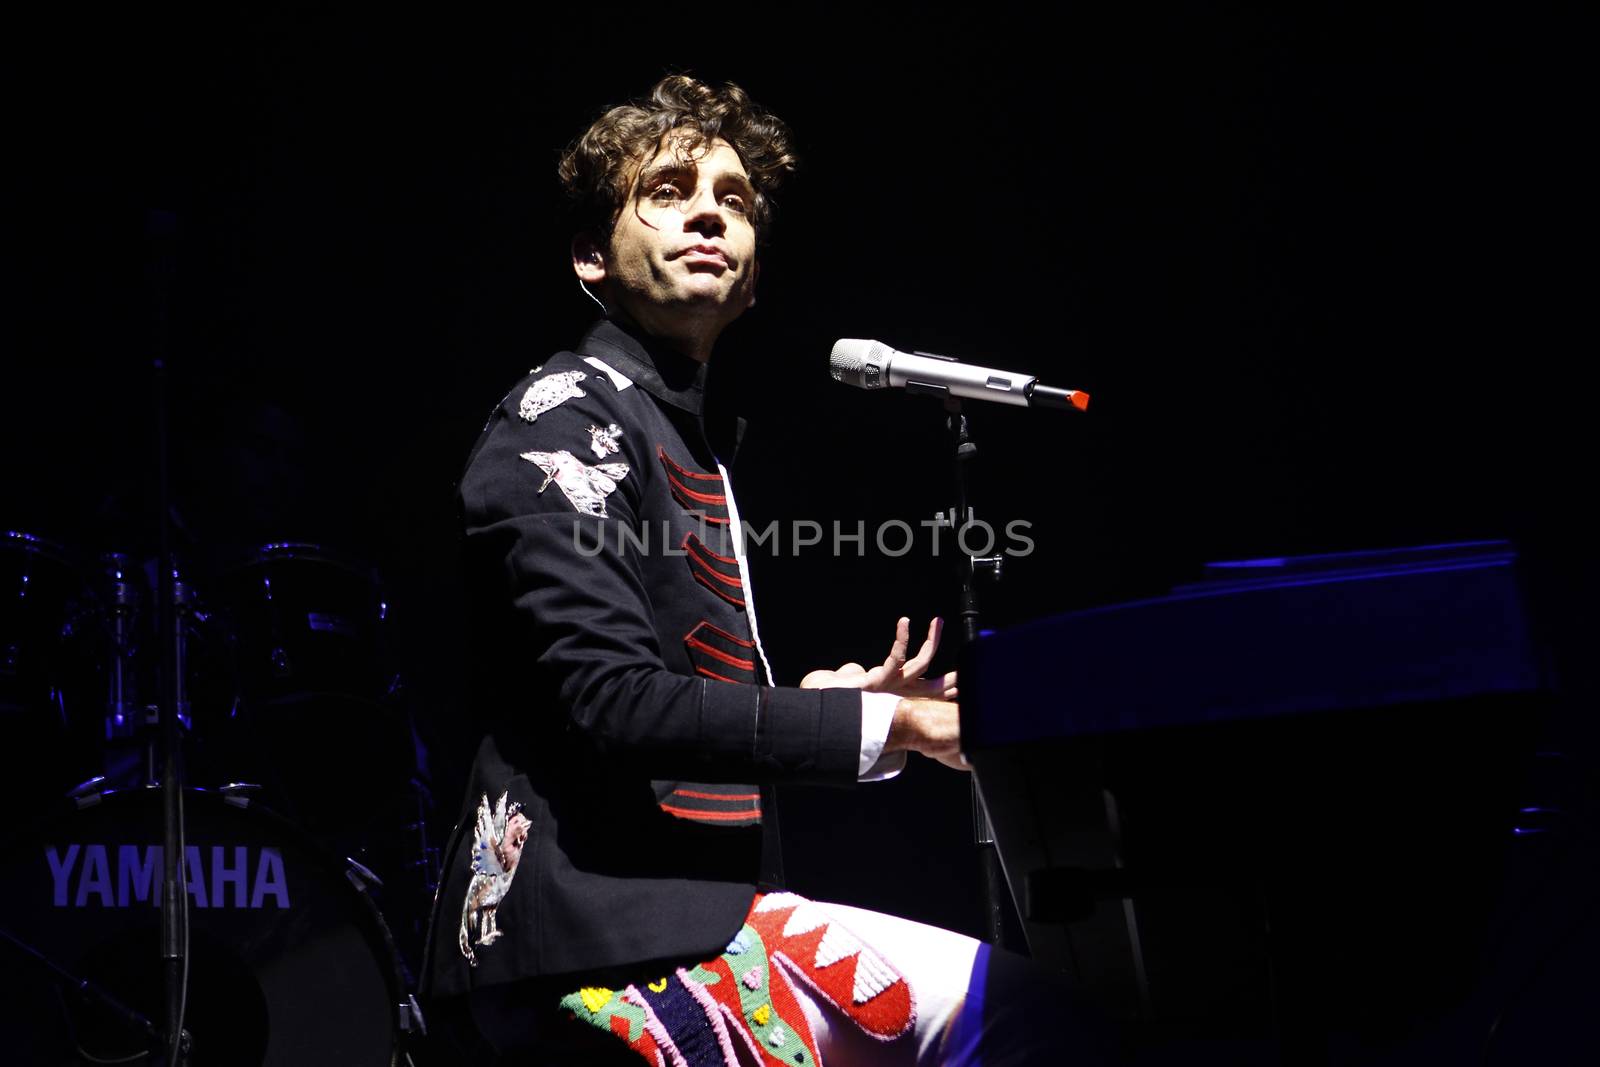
[874,365]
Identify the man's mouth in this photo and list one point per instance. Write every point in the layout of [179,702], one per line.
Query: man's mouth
[705,254]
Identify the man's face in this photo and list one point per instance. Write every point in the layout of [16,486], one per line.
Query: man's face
[682,253]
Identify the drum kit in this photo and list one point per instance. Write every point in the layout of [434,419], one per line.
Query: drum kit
[305,811]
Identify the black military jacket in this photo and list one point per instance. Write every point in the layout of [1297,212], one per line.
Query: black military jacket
[627,708]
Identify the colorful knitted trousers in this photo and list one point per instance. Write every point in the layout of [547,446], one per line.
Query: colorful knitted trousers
[693,1016]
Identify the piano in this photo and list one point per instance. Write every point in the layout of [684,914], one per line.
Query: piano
[1273,805]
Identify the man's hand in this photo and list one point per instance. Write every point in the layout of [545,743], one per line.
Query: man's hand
[895,674]
[926,720]
[931,727]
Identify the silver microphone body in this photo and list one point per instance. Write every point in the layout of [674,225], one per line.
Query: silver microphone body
[874,365]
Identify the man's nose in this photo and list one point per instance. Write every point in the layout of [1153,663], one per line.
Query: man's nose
[702,213]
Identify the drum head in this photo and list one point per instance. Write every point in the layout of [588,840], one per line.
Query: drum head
[289,963]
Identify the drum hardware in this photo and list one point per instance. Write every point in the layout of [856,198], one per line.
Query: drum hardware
[88,992]
[124,714]
[425,862]
[411,1019]
[90,788]
[361,877]
[47,669]
[182,605]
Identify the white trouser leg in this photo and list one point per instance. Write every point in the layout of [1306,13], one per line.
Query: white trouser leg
[975,1006]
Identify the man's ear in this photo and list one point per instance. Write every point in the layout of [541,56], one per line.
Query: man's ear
[588,259]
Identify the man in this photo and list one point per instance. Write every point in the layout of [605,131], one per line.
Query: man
[619,821]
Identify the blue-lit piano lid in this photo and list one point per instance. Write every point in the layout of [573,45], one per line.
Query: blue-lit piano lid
[1261,638]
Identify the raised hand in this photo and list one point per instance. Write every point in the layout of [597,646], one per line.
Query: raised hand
[896,674]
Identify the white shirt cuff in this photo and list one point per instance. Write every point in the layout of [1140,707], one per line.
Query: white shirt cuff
[877,715]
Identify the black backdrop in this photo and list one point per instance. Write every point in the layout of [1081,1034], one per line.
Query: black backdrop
[1316,269]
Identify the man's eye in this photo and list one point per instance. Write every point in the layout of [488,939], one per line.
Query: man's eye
[665,191]
[735,202]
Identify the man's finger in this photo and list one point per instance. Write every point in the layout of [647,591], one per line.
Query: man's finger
[897,651]
[917,667]
[816,680]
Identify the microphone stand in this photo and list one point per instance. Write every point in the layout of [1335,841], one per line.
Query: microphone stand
[171,609]
[869,365]
[969,567]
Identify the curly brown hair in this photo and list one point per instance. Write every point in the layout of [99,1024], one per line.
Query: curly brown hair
[598,170]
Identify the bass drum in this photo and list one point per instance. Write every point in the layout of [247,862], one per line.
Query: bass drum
[290,963]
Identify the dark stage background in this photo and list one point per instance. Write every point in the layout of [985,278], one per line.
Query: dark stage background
[1315,268]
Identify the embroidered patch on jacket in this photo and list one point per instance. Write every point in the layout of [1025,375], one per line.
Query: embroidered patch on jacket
[699,494]
[716,572]
[721,803]
[717,654]
[498,839]
[546,394]
[604,442]
[585,487]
